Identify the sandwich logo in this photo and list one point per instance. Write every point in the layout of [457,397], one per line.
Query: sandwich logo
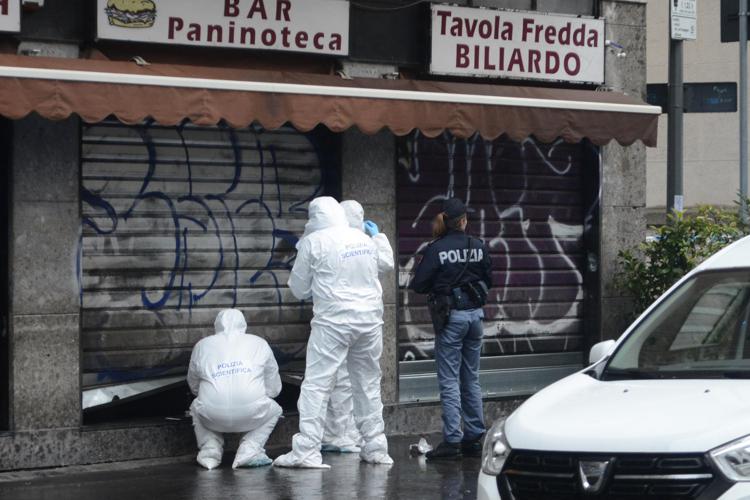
[313,26]
[131,13]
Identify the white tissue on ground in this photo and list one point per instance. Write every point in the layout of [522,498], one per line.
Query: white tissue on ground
[420,448]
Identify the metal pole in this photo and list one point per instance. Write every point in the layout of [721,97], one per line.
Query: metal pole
[743,110]
[675,129]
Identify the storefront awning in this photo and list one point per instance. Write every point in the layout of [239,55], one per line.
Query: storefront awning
[169,94]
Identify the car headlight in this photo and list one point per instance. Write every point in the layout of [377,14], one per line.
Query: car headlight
[495,449]
[733,459]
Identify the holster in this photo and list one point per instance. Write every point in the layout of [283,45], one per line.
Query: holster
[478,292]
[470,296]
[440,311]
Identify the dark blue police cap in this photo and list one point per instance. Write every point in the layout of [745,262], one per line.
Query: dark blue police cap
[454,208]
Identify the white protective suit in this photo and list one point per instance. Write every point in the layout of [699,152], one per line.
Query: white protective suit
[338,267]
[340,434]
[234,376]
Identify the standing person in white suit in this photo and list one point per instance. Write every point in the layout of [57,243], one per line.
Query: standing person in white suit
[235,377]
[338,268]
[355,216]
[340,434]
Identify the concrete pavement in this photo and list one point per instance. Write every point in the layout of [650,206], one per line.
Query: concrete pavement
[183,479]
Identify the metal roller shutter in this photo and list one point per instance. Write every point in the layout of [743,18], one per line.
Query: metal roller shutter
[180,222]
[529,203]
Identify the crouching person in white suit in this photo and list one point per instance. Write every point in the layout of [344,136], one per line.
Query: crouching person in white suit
[234,376]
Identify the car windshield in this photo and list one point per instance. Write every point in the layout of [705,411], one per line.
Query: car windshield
[699,331]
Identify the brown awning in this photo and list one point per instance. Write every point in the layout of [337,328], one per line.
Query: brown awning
[169,94]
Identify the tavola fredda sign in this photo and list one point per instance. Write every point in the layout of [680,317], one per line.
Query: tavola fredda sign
[508,44]
[314,26]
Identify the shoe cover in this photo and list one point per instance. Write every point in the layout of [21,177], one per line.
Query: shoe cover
[376,451]
[333,448]
[292,461]
[259,460]
[378,458]
[209,463]
[247,452]
[344,444]
[209,457]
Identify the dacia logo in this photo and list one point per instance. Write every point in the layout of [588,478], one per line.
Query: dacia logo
[593,475]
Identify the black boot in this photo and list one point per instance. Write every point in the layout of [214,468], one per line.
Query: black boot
[472,448]
[445,451]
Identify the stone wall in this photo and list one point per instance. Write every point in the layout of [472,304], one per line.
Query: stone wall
[369,176]
[623,196]
[45,230]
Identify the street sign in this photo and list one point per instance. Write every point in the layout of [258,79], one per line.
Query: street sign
[679,202]
[684,17]
[710,97]
[10,15]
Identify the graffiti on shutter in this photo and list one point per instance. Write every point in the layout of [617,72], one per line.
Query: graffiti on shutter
[179,223]
[525,200]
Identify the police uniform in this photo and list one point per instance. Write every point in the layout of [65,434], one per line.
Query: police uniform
[445,272]
[443,261]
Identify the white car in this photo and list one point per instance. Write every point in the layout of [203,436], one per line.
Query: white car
[663,413]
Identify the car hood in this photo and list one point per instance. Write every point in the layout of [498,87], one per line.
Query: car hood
[580,413]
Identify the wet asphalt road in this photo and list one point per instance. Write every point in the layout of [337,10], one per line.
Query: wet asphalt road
[408,478]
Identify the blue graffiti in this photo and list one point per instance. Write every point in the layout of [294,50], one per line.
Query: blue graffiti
[197,215]
[96,201]
[175,218]
[178,283]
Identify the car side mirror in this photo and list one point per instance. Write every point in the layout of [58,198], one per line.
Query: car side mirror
[601,351]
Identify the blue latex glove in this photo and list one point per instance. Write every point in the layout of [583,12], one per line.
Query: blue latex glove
[371,229]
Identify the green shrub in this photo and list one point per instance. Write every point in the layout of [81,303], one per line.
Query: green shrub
[677,247]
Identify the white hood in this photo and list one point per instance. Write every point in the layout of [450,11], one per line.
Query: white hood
[324,212]
[582,414]
[230,322]
[355,214]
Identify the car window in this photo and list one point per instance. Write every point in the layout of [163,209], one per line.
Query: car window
[714,311]
[700,330]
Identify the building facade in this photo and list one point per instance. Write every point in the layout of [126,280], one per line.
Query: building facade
[127,233]
[711,153]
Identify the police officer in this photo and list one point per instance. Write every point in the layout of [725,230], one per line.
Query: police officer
[456,272]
